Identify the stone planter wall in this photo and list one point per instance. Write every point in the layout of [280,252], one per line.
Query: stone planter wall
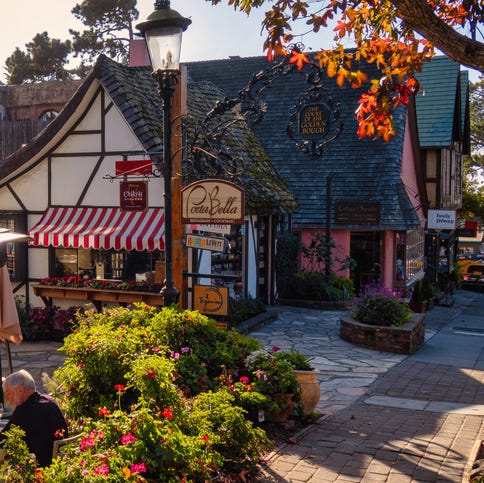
[401,340]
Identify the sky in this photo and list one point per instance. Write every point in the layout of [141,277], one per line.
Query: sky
[216,32]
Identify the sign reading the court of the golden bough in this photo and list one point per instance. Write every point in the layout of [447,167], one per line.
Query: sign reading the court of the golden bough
[212,201]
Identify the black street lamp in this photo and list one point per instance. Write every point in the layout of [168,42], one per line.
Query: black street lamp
[163,30]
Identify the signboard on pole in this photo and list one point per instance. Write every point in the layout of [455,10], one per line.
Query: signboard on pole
[212,201]
[211,300]
[212,244]
[441,220]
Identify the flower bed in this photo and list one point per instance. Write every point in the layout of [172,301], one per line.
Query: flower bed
[405,339]
[101,284]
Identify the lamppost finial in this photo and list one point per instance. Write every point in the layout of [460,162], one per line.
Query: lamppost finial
[159,4]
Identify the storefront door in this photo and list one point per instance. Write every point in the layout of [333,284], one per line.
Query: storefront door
[366,251]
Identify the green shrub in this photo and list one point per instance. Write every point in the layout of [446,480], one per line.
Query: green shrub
[243,309]
[110,347]
[316,286]
[236,438]
[379,306]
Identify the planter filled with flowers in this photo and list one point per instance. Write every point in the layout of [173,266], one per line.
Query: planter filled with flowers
[382,320]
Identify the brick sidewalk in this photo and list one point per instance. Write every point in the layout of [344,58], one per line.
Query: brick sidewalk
[367,443]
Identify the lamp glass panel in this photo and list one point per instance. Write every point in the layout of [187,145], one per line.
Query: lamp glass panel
[164,46]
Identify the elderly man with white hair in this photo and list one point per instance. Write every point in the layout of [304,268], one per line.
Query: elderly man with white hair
[37,414]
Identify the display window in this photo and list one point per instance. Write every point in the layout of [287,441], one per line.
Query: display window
[15,252]
[106,264]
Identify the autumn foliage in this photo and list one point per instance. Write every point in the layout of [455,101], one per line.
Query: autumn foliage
[383,32]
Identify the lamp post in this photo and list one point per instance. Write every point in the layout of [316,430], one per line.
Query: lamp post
[163,30]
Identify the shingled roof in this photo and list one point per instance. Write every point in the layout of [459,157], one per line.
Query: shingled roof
[442,104]
[134,93]
[361,170]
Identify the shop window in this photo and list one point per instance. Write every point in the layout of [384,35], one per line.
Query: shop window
[16,252]
[105,264]
[414,254]
[230,261]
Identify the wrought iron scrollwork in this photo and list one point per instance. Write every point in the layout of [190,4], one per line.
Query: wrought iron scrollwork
[211,154]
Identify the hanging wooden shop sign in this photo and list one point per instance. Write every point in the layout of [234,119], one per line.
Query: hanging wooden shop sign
[212,201]
[133,167]
[133,195]
[211,300]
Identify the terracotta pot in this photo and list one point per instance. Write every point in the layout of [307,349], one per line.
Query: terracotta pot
[285,403]
[310,391]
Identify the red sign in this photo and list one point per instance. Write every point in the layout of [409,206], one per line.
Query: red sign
[133,195]
[133,167]
[471,225]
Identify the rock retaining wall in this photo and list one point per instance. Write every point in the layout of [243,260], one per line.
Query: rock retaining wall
[400,340]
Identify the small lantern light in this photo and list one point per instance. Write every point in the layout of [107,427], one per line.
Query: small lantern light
[163,31]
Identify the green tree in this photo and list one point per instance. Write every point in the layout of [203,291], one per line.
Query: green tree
[44,59]
[396,35]
[109,29]
[473,188]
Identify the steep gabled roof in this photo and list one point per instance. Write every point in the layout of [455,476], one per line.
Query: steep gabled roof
[361,170]
[135,94]
[439,103]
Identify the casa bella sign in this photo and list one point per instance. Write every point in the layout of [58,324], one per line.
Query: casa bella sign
[212,201]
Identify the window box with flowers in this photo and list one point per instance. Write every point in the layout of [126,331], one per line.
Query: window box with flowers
[97,291]
[382,320]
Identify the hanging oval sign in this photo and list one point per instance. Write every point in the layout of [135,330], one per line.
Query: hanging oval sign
[212,201]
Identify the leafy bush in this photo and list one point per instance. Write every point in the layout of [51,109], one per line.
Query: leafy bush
[113,347]
[315,286]
[46,323]
[379,306]
[243,309]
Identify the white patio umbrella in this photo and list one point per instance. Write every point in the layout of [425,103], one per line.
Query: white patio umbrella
[10,330]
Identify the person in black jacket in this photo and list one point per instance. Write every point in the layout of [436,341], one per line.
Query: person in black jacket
[37,414]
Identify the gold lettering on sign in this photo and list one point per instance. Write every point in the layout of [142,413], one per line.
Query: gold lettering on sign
[313,121]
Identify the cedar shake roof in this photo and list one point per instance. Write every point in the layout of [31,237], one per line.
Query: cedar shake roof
[361,170]
[135,94]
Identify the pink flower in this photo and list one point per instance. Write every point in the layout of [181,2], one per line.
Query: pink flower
[276,348]
[244,379]
[101,470]
[156,349]
[88,442]
[127,439]
[119,387]
[85,472]
[80,366]
[138,468]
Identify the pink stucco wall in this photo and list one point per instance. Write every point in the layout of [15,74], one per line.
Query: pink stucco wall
[342,250]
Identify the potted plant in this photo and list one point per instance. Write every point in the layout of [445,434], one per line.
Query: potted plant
[418,300]
[306,376]
[429,292]
[273,376]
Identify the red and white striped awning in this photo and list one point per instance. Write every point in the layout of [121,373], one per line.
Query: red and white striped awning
[100,228]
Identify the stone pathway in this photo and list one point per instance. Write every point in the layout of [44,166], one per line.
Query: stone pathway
[345,371]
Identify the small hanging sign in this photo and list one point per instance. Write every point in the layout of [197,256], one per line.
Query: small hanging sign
[133,195]
[211,300]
